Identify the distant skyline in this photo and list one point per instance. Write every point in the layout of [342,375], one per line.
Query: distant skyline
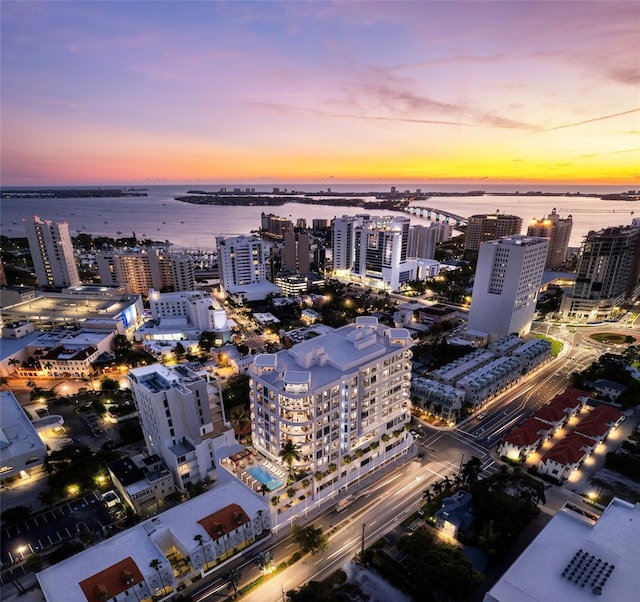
[515,92]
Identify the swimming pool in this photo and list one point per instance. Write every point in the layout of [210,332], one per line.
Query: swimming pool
[265,477]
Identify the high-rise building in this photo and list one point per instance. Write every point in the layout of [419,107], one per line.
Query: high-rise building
[608,274]
[52,253]
[423,239]
[342,399]
[558,231]
[275,226]
[242,263]
[342,243]
[241,260]
[374,251]
[181,415]
[139,271]
[484,227]
[380,252]
[506,285]
[296,252]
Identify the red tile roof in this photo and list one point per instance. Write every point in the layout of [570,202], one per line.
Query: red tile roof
[527,433]
[550,414]
[598,422]
[112,581]
[568,450]
[229,518]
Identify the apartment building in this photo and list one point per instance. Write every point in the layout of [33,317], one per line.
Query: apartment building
[242,262]
[181,415]
[139,271]
[484,227]
[558,231]
[52,253]
[341,398]
[608,274]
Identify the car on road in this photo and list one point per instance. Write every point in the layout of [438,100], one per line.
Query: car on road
[482,416]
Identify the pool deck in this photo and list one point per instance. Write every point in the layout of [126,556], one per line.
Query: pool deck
[238,464]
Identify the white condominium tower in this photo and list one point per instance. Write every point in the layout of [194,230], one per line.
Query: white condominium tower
[241,261]
[506,285]
[372,250]
[181,415]
[341,398]
[52,253]
[342,244]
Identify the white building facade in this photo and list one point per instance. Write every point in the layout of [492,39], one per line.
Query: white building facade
[52,253]
[341,398]
[181,416]
[506,285]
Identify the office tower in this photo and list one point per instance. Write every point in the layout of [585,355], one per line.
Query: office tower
[319,224]
[558,231]
[52,253]
[342,242]
[296,252]
[139,271]
[484,227]
[423,239]
[181,414]
[505,289]
[608,274]
[341,398]
[380,252]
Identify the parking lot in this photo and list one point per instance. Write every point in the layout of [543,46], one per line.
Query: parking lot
[54,526]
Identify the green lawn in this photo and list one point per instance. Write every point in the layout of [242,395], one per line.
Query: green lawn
[609,338]
[556,346]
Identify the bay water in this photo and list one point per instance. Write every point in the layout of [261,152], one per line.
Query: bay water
[159,216]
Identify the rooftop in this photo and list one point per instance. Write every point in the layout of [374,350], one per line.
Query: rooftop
[537,575]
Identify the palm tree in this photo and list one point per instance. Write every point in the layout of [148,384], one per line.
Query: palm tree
[289,453]
[156,564]
[264,489]
[199,539]
[437,487]
[239,418]
[427,495]
[234,578]
[220,532]
[471,470]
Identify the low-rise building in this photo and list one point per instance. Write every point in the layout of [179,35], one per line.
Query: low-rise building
[578,556]
[21,449]
[142,481]
[525,439]
[608,389]
[158,556]
[443,400]
[599,422]
[552,416]
[566,456]
[486,382]
[455,514]
[452,372]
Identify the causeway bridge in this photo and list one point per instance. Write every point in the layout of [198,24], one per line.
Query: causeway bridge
[437,215]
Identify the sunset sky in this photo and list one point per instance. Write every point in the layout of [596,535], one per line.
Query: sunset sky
[443,92]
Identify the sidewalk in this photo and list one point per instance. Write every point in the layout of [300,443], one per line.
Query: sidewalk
[30,583]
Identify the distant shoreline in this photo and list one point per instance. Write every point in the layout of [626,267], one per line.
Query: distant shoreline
[72,193]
